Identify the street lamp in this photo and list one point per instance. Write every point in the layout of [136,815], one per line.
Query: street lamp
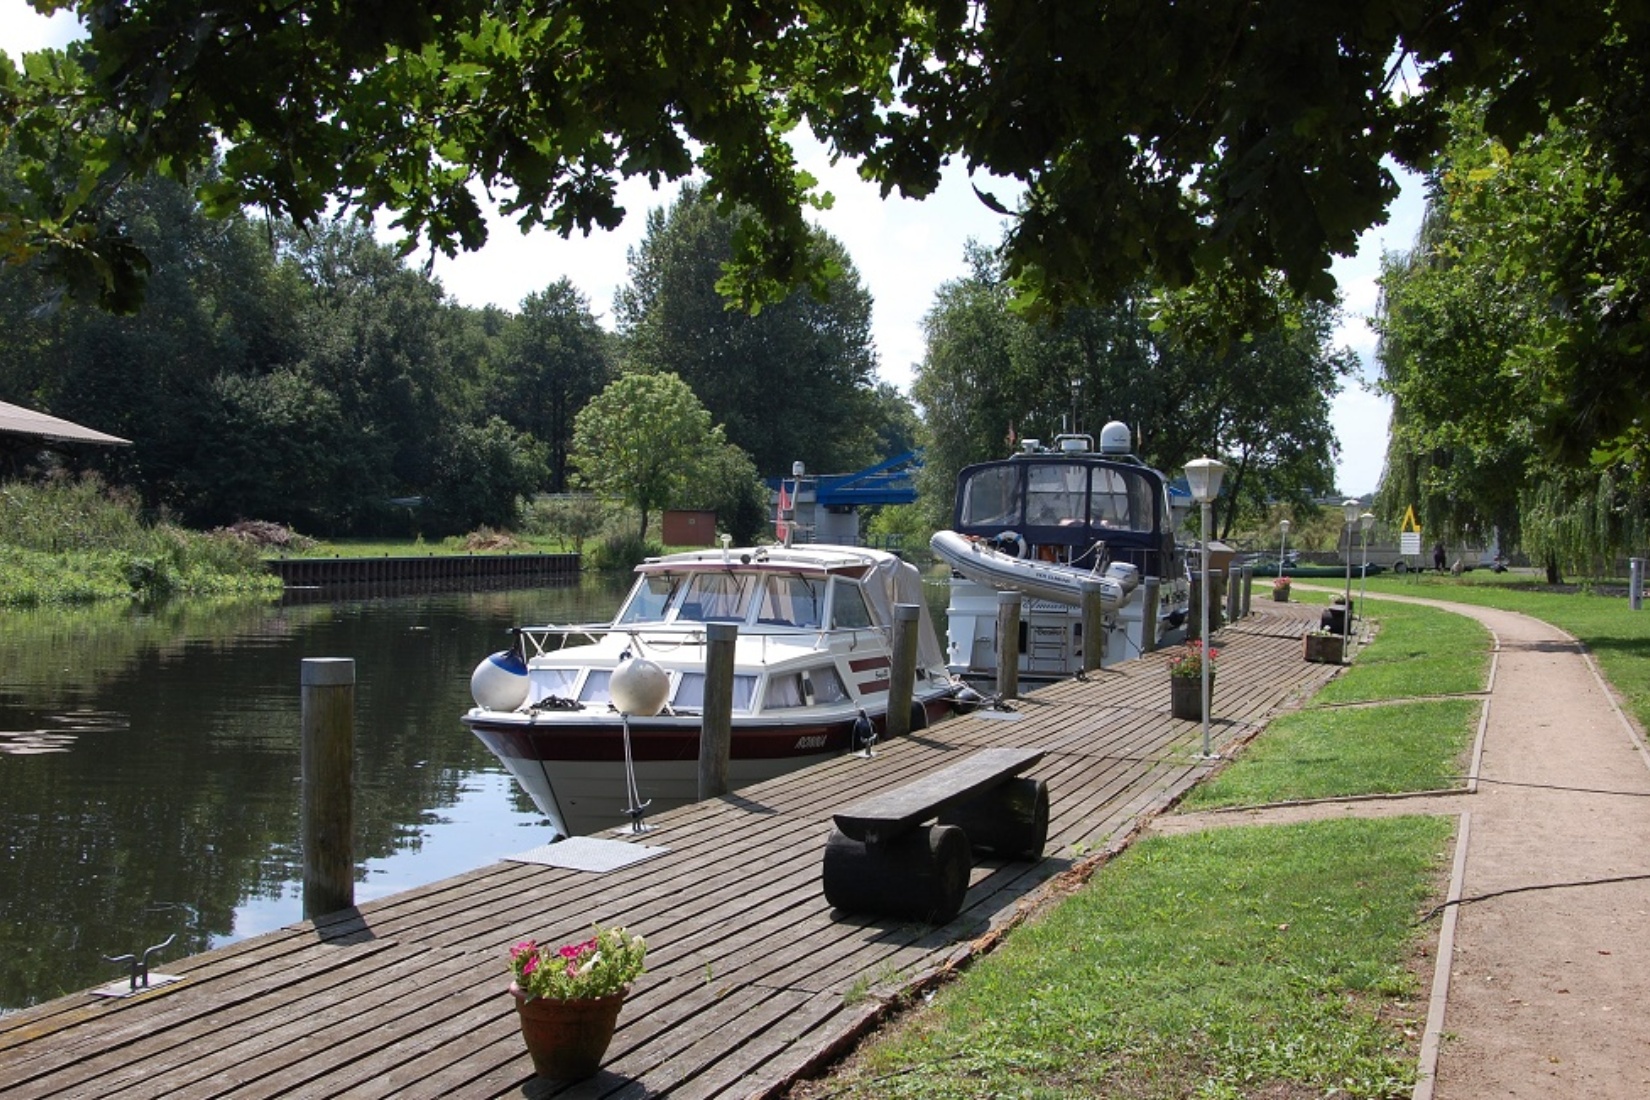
[1366,521]
[1203,479]
[1351,507]
[1283,547]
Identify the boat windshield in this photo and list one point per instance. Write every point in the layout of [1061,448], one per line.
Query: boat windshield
[719,597]
[791,600]
[648,600]
[991,496]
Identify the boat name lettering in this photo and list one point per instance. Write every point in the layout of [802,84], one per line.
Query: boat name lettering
[812,741]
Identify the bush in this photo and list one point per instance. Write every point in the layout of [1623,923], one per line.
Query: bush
[621,552]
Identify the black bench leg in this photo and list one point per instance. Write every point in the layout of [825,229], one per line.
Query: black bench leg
[921,875]
[1010,820]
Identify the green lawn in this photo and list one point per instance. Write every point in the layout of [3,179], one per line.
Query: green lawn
[1416,651]
[1333,753]
[1233,963]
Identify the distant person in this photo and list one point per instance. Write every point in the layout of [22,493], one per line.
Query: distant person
[1438,555]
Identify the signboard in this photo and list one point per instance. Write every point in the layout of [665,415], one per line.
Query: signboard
[1409,542]
[1410,522]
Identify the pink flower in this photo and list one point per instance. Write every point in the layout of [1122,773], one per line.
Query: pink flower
[530,965]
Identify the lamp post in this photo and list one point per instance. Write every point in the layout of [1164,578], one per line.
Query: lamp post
[1366,521]
[1283,546]
[1351,509]
[1203,479]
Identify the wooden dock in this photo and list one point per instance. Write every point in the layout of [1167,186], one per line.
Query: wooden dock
[752,978]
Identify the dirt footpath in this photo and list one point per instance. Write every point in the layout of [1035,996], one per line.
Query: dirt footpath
[1549,991]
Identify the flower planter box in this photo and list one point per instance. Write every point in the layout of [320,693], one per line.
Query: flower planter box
[1186,697]
[1281,595]
[1324,649]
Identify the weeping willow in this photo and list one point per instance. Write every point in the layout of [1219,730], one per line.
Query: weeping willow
[1580,524]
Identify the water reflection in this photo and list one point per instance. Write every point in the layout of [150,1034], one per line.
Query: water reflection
[149,773]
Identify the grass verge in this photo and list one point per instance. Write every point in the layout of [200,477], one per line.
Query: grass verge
[1268,961]
[1418,746]
[1418,650]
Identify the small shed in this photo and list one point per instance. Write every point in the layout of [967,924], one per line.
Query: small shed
[23,431]
[685,527]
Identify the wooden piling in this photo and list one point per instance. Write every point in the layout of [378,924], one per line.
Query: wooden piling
[1094,625]
[327,758]
[716,732]
[1148,614]
[902,680]
[1008,645]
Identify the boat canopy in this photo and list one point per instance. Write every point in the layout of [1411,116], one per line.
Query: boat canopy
[1070,501]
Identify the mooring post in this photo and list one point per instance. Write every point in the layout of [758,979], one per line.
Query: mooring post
[716,734]
[902,680]
[1094,624]
[1635,584]
[1008,645]
[1234,591]
[1248,587]
[327,762]
[1148,614]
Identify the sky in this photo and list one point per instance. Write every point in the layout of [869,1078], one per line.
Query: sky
[904,251]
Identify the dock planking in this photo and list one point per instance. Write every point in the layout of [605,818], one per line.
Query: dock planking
[752,978]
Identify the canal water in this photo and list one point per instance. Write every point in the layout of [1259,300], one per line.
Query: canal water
[149,767]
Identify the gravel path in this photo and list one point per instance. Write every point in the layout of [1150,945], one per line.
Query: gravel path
[1549,985]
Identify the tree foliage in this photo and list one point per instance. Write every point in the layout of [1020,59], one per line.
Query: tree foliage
[791,382]
[1158,143]
[1513,344]
[1159,361]
[644,440]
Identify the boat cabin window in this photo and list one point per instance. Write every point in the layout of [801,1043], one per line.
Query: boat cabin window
[649,599]
[1054,495]
[553,681]
[690,692]
[992,496]
[1120,499]
[848,610]
[791,601]
[715,598]
[810,687]
[595,687]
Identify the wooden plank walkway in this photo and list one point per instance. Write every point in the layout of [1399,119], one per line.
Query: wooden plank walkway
[752,977]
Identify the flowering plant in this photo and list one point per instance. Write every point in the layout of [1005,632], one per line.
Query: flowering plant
[1188,662]
[1282,583]
[601,966]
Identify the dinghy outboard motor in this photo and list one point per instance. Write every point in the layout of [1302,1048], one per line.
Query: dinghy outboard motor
[500,681]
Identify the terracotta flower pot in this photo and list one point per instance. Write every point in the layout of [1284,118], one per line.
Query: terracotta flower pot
[1186,696]
[567,1039]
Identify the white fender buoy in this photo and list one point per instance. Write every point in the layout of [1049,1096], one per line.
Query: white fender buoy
[499,682]
[639,687]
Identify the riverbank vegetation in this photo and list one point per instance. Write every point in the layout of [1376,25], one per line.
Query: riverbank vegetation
[74,541]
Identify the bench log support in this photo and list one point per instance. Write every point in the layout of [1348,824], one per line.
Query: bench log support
[882,859]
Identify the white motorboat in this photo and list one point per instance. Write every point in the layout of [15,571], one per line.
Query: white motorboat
[1045,521]
[812,666]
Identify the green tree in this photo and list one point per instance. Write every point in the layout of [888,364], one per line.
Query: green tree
[643,440]
[1508,341]
[1163,363]
[553,357]
[789,383]
[1158,143]
[481,475]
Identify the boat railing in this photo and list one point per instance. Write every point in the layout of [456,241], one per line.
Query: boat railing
[658,639]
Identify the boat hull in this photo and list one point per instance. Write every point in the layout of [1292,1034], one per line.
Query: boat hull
[573,766]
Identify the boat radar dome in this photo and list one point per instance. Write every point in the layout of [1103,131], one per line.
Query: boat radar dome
[500,681]
[1114,438]
[639,687]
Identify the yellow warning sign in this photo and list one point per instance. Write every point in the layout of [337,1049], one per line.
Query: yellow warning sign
[1410,523]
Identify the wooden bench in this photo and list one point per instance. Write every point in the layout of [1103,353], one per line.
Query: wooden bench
[882,859]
